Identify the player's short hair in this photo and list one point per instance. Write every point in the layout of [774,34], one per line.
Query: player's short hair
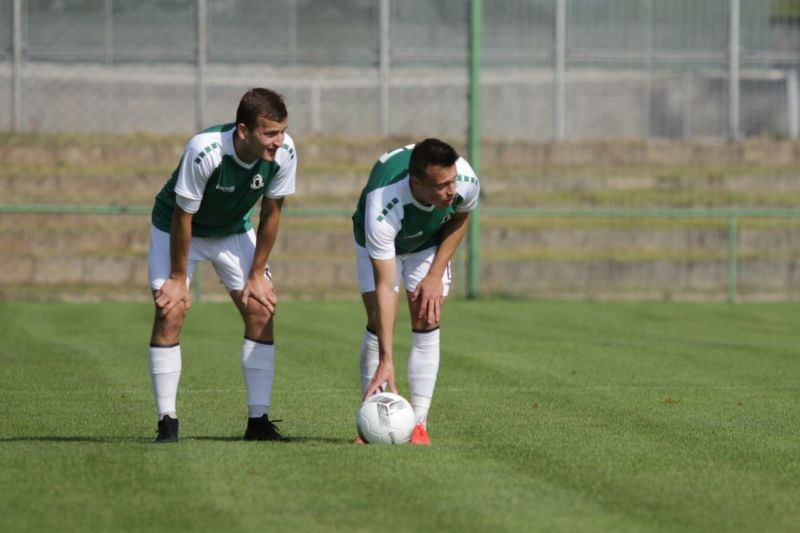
[260,102]
[430,152]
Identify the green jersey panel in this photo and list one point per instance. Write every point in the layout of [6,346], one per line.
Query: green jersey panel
[389,221]
[227,188]
[390,168]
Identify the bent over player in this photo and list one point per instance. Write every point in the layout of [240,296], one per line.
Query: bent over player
[203,213]
[410,219]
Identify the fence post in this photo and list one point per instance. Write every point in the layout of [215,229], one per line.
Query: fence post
[200,70]
[733,71]
[16,85]
[292,21]
[474,236]
[687,105]
[108,15]
[385,43]
[733,236]
[793,102]
[648,111]
[559,59]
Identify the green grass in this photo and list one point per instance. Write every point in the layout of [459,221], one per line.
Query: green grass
[549,416]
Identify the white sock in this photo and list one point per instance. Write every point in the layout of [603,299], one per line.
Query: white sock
[258,369]
[165,374]
[368,359]
[423,365]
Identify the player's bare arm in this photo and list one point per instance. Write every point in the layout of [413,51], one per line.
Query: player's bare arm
[174,290]
[385,278]
[428,297]
[258,286]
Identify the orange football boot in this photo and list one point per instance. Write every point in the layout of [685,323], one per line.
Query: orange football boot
[420,436]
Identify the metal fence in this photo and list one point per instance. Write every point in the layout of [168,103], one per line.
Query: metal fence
[552,69]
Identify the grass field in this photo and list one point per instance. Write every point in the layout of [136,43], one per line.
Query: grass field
[549,416]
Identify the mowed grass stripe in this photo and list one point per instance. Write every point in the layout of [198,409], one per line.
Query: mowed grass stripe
[548,416]
[704,429]
[720,431]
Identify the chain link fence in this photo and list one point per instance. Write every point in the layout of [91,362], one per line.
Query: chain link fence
[553,69]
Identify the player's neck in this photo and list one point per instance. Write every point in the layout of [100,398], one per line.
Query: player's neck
[242,151]
[415,193]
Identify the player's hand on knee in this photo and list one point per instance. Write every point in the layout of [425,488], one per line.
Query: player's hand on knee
[429,297]
[172,293]
[262,291]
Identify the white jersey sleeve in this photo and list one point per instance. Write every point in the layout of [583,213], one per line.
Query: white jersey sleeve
[283,183]
[468,186]
[194,172]
[381,229]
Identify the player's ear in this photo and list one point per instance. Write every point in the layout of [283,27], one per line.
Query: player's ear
[241,130]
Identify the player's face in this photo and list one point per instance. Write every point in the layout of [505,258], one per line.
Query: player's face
[264,139]
[439,188]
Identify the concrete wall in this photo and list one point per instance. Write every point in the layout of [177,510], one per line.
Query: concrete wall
[517,103]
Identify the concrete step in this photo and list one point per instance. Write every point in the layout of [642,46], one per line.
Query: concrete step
[165,150]
[64,256]
[44,235]
[104,257]
[538,188]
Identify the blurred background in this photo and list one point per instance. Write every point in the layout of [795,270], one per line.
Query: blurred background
[629,149]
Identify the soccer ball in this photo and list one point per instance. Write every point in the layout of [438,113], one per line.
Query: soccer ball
[385,418]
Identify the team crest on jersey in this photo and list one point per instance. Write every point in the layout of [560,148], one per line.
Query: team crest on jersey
[258,182]
[445,218]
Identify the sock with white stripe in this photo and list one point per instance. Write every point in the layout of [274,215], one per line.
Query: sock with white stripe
[165,374]
[368,359]
[423,365]
[258,369]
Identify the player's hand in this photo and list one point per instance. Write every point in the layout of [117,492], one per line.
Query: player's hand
[171,293]
[261,290]
[383,374]
[429,297]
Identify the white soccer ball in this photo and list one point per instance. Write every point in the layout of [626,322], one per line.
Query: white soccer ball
[386,418]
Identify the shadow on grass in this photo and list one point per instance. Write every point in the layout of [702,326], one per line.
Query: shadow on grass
[289,440]
[44,438]
[73,439]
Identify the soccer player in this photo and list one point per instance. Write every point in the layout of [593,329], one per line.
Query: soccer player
[410,219]
[203,213]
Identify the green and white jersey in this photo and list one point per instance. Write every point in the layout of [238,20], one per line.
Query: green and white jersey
[389,221]
[218,188]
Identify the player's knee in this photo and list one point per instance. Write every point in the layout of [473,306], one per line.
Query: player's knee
[167,329]
[257,315]
[422,325]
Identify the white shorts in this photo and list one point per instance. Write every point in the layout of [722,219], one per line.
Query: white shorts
[412,267]
[231,256]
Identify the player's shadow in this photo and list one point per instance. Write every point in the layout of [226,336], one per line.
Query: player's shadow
[70,438]
[219,438]
[289,439]
[321,440]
